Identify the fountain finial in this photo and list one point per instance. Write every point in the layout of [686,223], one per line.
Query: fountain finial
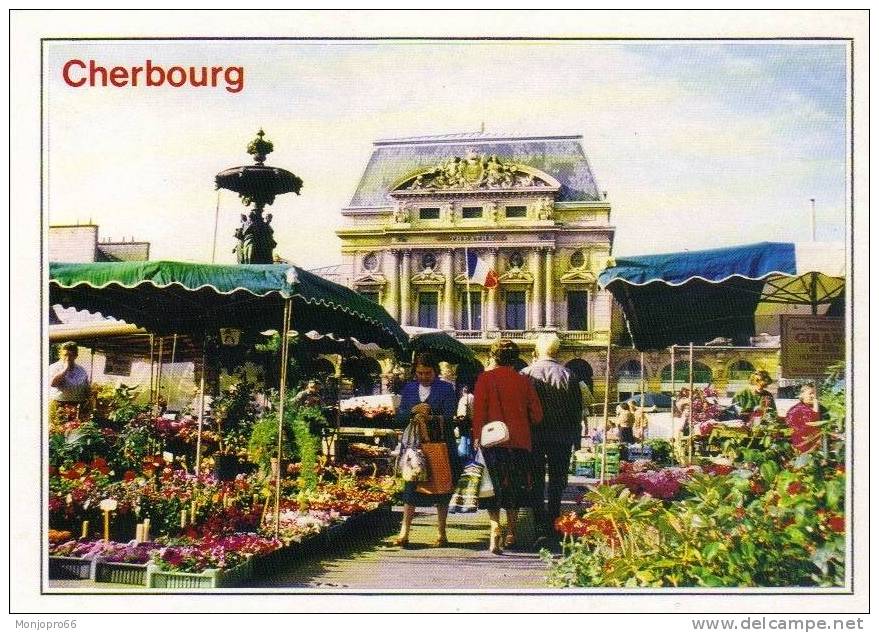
[260,147]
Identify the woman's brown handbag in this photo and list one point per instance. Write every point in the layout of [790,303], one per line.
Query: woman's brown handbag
[438,465]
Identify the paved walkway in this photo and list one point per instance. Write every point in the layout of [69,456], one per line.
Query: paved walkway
[371,562]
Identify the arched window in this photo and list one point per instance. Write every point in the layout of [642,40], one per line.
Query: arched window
[740,371]
[631,369]
[629,379]
[701,375]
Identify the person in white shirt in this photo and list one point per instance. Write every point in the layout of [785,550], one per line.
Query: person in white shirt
[69,381]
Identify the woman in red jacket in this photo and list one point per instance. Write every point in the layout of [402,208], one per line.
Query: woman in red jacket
[504,394]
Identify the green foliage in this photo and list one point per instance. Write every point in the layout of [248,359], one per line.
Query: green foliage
[82,444]
[263,443]
[776,520]
[137,440]
[661,450]
[308,446]
[123,406]
[234,413]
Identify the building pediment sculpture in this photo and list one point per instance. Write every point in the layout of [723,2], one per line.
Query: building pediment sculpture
[476,171]
[370,280]
[516,275]
[579,276]
[428,277]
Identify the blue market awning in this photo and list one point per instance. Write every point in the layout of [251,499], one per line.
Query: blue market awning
[695,296]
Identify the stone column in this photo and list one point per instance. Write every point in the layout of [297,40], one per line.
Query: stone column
[392,288]
[448,321]
[491,311]
[549,318]
[405,275]
[536,296]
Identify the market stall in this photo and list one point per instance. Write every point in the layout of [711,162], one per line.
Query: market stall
[671,300]
[200,300]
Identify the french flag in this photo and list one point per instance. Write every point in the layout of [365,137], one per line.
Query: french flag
[479,272]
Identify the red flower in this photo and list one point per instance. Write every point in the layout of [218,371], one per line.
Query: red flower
[128,476]
[795,488]
[70,474]
[80,466]
[739,513]
[52,471]
[718,469]
[756,487]
[836,523]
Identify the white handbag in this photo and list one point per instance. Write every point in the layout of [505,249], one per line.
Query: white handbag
[494,433]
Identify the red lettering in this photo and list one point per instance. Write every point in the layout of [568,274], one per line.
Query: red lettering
[179,71]
[216,70]
[149,74]
[236,83]
[134,73]
[94,70]
[65,73]
[119,76]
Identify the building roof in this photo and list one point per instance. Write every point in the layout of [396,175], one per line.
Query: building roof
[122,251]
[559,156]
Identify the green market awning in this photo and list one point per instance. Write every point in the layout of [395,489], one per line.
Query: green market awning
[167,297]
[443,346]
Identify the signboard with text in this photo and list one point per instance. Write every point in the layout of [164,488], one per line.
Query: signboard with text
[810,344]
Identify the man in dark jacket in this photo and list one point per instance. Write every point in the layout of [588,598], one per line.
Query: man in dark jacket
[559,434]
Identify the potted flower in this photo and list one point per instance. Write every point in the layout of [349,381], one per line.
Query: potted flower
[234,414]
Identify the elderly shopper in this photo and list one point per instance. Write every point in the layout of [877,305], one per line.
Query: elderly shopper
[504,395]
[558,435]
[428,397]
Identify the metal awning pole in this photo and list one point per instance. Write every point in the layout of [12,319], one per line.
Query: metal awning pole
[200,408]
[642,397]
[282,392]
[690,415]
[606,407]
[152,368]
[159,373]
[674,438]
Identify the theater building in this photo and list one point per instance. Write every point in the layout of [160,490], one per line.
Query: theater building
[529,207]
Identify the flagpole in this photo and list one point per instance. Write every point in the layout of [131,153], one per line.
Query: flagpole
[467,285]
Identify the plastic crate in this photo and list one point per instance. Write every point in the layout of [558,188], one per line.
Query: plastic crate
[638,451]
[120,573]
[70,568]
[208,579]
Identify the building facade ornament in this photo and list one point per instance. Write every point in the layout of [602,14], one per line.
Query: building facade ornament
[428,277]
[477,171]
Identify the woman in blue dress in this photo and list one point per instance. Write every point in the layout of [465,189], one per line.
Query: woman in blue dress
[428,395]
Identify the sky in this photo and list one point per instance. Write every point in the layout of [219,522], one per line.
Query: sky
[697,143]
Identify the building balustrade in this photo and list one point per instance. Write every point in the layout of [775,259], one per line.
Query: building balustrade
[525,335]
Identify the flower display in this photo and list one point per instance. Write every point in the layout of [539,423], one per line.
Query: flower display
[223,552]
[665,483]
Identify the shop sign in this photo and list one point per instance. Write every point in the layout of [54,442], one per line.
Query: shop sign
[810,344]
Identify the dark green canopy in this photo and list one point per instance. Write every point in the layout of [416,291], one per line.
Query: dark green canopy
[167,297]
[443,346]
